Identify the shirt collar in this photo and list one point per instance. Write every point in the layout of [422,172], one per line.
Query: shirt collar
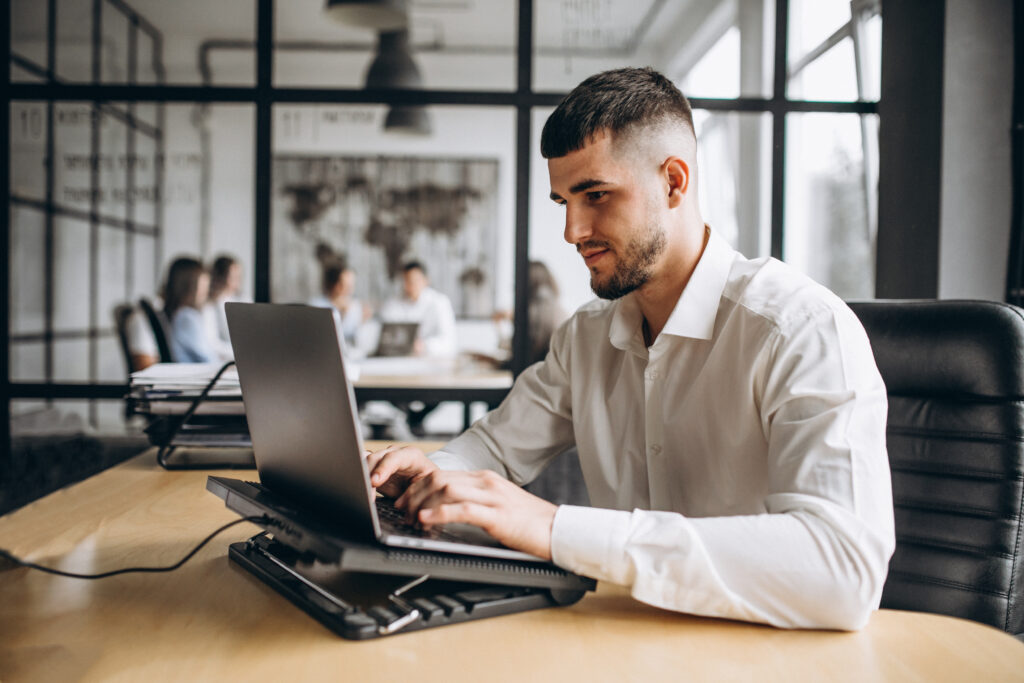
[695,311]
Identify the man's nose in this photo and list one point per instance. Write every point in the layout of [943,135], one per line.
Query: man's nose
[577,225]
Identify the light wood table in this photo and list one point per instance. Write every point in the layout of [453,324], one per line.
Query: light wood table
[212,621]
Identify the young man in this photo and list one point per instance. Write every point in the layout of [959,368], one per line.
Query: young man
[728,413]
[421,303]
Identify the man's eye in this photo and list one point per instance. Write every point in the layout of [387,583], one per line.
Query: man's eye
[596,195]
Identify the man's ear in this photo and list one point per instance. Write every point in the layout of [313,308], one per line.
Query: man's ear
[676,173]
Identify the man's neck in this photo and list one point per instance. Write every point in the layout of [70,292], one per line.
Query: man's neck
[658,297]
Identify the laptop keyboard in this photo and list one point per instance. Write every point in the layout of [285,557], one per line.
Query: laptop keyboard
[393,520]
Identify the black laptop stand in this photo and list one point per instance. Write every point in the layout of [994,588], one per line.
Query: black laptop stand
[361,589]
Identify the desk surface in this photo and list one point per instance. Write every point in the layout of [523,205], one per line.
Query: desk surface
[210,620]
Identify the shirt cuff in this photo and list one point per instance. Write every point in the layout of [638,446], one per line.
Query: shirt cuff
[450,461]
[592,541]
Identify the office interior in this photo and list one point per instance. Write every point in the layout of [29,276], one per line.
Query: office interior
[868,143]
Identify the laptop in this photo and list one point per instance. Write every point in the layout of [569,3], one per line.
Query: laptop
[306,436]
[396,339]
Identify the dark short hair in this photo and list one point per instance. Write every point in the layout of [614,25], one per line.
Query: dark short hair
[414,265]
[616,101]
[332,272]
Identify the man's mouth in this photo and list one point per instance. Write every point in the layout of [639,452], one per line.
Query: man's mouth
[592,256]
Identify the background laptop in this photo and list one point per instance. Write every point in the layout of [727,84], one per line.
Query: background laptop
[396,339]
[305,432]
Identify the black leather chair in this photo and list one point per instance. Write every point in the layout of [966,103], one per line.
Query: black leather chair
[161,329]
[122,313]
[954,372]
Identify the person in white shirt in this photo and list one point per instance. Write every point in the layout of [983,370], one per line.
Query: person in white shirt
[142,346]
[728,413]
[420,303]
[225,286]
[338,286]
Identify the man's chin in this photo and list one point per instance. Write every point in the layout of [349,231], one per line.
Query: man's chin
[610,289]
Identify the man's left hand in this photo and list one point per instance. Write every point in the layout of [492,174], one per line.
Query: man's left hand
[515,517]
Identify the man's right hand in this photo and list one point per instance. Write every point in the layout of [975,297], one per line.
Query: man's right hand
[392,469]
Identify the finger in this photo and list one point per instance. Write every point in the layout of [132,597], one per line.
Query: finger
[464,512]
[406,462]
[441,488]
[385,463]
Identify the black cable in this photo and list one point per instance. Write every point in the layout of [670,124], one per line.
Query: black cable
[49,570]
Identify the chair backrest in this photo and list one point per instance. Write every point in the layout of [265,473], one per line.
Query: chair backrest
[161,329]
[954,373]
[122,313]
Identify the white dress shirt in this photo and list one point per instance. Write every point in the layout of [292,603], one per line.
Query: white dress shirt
[737,467]
[435,315]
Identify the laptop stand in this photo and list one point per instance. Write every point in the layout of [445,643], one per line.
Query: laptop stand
[364,590]
[363,605]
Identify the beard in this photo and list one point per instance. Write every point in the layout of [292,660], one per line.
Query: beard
[635,264]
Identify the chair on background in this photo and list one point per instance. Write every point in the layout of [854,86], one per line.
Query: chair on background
[122,314]
[161,329]
[954,373]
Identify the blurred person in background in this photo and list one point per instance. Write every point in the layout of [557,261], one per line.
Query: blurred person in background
[338,286]
[225,285]
[185,292]
[420,303]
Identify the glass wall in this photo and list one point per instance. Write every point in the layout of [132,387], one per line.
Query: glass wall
[103,193]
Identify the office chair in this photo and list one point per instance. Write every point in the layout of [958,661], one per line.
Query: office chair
[161,329]
[122,313]
[954,373]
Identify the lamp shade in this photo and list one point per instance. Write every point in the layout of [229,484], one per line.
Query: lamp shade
[393,66]
[407,119]
[383,15]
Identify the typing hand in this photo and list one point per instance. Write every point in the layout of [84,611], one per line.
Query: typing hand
[392,469]
[515,517]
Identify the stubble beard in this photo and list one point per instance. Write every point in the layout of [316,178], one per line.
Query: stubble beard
[635,267]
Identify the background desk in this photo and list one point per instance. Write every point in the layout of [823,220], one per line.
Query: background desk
[212,621]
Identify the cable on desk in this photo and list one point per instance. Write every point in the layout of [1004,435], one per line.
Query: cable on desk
[261,519]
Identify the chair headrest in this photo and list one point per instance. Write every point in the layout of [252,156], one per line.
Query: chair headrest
[947,347]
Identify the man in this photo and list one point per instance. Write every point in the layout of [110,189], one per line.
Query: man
[425,305]
[728,413]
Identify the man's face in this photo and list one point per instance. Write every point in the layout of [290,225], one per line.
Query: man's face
[611,215]
[414,281]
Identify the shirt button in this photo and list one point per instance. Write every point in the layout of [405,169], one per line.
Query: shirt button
[655,449]
[652,374]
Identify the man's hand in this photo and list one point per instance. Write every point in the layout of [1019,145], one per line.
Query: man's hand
[515,517]
[394,468]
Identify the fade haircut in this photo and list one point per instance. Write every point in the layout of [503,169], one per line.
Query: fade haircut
[617,101]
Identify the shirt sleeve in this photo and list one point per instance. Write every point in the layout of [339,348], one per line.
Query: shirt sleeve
[818,556]
[532,425]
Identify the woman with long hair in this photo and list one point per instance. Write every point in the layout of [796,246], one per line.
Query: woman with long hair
[185,292]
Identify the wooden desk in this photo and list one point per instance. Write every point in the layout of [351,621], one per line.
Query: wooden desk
[212,621]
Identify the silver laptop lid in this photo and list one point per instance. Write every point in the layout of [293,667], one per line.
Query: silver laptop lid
[302,411]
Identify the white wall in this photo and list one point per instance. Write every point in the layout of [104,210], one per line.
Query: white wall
[976,176]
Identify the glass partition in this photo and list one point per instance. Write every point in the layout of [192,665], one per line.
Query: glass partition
[447,46]
[710,49]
